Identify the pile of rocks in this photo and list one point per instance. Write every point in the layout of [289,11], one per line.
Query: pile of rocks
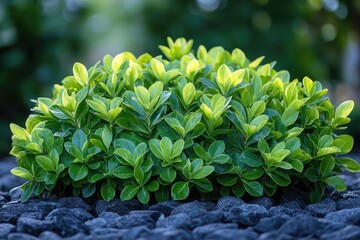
[336,217]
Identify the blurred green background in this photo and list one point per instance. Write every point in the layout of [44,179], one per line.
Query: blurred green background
[41,39]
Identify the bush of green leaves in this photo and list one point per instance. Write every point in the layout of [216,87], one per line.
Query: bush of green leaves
[207,122]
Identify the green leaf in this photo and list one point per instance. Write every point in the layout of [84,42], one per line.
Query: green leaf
[78,171]
[28,191]
[88,189]
[335,181]
[139,175]
[45,163]
[123,172]
[282,179]
[143,195]
[350,164]
[204,185]
[154,145]
[22,173]
[19,132]
[216,148]
[80,73]
[168,174]
[153,186]
[177,148]
[289,116]
[106,137]
[129,192]
[188,93]
[143,95]
[327,166]
[344,109]
[254,188]
[344,142]
[107,191]
[180,191]
[79,139]
[203,172]
[297,165]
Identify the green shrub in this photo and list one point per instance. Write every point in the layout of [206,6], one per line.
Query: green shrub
[210,122]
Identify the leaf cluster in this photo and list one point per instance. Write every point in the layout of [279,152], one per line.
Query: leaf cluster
[210,121]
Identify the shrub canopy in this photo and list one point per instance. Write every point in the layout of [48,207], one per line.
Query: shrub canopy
[209,122]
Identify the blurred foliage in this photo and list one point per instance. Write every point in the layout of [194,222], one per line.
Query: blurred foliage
[41,39]
[38,43]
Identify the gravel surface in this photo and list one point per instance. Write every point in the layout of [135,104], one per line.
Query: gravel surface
[289,217]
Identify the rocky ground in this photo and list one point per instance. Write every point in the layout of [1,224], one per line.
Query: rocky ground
[336,217]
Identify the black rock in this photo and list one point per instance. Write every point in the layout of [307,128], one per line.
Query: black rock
[347,233]
[96,223]
[49,235]
[246,214]
[165,207]
[180,220]
[207,218]
[155,215]
[193,209]
[327,227]
[99,232]
[275,210]
[350,216]
[81,214]
[322,208]
[135,220]
[5,229]
[11,211]
[66,223]
[78,236]
[110,218]
[228,202]
[348,203]
[272,223]
[263,201]
[275,235]
[231,234]
[74,202]
[137,232]
[117,206]
[32,226]
[208,206]
[169,234]
[202,231]
[301,226]
[294,205]
[294,194]
[21,236]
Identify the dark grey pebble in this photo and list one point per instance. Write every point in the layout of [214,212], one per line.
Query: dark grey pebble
[96,223]
[349,216]
[66,223]
[322,208]
[271,223]
[11,211]
[110,218]
[295,194]
[193,209]
[137,232]
[135,220]
[263,201]
[117,206]
[165,207]
[21,236]
[228,202]
[5,229]
[275,210]
[301,226]
[275,235]
[81,214]
[202,231]
[180,220]
[246,214]
[230,234]
[74,202]
[347,233]
[348,203]
[47,235]
[32,226]
[208,218]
